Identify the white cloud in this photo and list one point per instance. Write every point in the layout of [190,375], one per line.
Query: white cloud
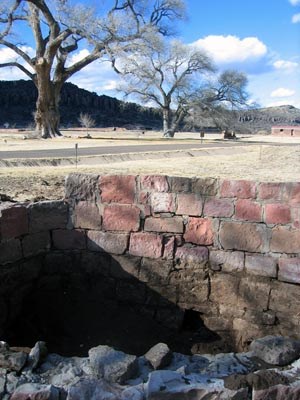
[231,49]
[13,73]
[294,2]
[283,92]
[285,65]
[296,18]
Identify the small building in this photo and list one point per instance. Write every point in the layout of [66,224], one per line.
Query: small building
[286,130]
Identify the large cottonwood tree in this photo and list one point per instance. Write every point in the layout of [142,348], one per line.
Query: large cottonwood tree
[59,29]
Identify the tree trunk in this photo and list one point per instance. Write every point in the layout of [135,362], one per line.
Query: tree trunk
[167,131]
[47,115]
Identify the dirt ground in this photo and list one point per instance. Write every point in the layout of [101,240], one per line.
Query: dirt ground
[263,161]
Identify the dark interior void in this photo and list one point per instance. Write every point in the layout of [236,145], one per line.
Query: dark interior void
[74,306]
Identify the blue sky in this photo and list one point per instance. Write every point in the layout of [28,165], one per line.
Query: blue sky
[258,37]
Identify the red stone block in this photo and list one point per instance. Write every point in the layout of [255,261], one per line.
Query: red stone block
[157,183]
[13,221]
[68,239]
[277,214]
[241,189]
[117,188]
[119,217]
[146,245]
[144,198]
[243,236]
[269,191]
[289,270]
[295,194]
[114,243]
[214,207]
[295,212]
[285,241]
[248,210]
[169,245]
[87,216]
[180,184]
[172,225]
[192,255]
[189,204]
[162,202]
[257,264]
[199,231]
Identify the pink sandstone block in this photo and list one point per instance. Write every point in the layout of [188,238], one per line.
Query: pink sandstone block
[157,183]
[295,194]
[243,236]
[189,204]
[172,224]
[118,217]
[146,245]
[277,213]
[295,212]
[289,270]
[162,202]
[87,216]
[117,188]
[144,198]
[114,243]
[192,255]
[214,207]
[227,261]
[169,246]
[248,210]
[13,221]
[241,189]
[257,264]
[68,239]
[285,240]
[269,191]
[199,231]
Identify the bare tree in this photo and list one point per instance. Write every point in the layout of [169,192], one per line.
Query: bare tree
[86,121]
[60,29]
[166,74]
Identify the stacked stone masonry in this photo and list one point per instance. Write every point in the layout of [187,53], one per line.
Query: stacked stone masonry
[227,249]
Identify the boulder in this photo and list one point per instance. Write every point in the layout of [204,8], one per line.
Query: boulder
[34,391]
[159,356]
[12,361]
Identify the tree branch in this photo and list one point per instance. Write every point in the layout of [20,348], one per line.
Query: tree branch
[18,51]
[20,66]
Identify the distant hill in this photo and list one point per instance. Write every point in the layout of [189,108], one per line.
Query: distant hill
[17,103]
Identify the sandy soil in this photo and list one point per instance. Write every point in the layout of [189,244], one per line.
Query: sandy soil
[261,162]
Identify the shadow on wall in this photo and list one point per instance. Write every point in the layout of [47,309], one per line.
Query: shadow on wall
[75,300]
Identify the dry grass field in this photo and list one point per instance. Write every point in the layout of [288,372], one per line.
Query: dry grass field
[262,161]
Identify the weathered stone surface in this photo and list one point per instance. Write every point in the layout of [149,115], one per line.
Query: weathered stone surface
[36,355]
[114,366]
[12,361]
[285,240]
[278,392]
[13,221]
[47,215]
[93,389]
[257,264]
[248,210]
[162,202]
[114,243]
[81,187]
[117,188]
[243,236]
[157,183]
[253,294]
[169,246]
[240,188]
[36,243]
[205,186]
[224,290]
[289,270]
[86,215]
[120,217]
[193,255]
[294,195]
[214,207]
[276,350]
[159,356]
[172,225]
[36,391]
[125,267]
[277,214]
[269,191]
[226,261]
[284,297]
[146,245]
[189,204]
[295,212]
[10,251]
[155,271]
[199,231]
[179,184]
[69,239]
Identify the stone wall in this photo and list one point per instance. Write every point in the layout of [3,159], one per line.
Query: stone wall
[229,250]
[286,130]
